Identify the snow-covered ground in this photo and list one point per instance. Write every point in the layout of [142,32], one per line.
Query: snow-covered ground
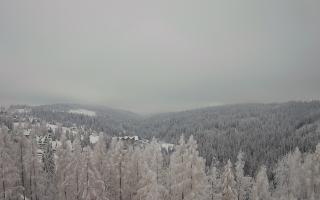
[53,127]
[168,147]
[94,139]
[83,112]
[136,138]
[21,110]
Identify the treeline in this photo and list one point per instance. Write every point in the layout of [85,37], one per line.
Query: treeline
[129,172]
[264,132]
[110,121]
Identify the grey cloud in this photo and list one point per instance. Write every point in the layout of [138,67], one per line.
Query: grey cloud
[151,56]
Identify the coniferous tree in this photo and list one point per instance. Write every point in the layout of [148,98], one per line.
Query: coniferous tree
[177,175]
[21,160]
[214,184]
[261,186]
[229,185]
[149,188]
[289,177]
[316,172]
[8,170]
[35,174]
[91,182]
[76,164]
[197,187]
[116,165]
[64,170]
[48,161]
[49,170]
[99,160]
[151,183]
[243,183]
[132,171]
[311,170]
[296,175]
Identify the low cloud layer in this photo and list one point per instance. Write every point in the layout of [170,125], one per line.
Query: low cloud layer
[155,56]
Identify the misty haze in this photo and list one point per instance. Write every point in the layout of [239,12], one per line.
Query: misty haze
[160,100]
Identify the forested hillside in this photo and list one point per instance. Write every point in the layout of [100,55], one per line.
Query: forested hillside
[124,171]
[108,120]
[264,132]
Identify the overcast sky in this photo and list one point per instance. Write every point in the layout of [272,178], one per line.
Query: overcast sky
[156,56]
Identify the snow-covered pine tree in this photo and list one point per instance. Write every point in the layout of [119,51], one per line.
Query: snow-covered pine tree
[178,177]
[155,158]
[21,162]
[35,173]
[296,175]
[77,165]
[8,170]
[311,170]
[261,186]
[100,161]
[289,177]
[132,171]
[136,161]
[196,181]
[116,165]
[149,188]
[316,172]
[48,161]
[243,183]
[214,184]
[64,169]
[92,184]
[229,185]
[151,184]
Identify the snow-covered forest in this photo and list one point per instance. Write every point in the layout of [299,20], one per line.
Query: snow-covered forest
[159,100]
[122,171]
[264,132]
[237,152]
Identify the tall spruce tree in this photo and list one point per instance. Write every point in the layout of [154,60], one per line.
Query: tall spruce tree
[229,191]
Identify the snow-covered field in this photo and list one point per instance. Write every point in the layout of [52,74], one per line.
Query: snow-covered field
[22,110]
[83,112]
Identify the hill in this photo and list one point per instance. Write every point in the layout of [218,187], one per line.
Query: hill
[264,132]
